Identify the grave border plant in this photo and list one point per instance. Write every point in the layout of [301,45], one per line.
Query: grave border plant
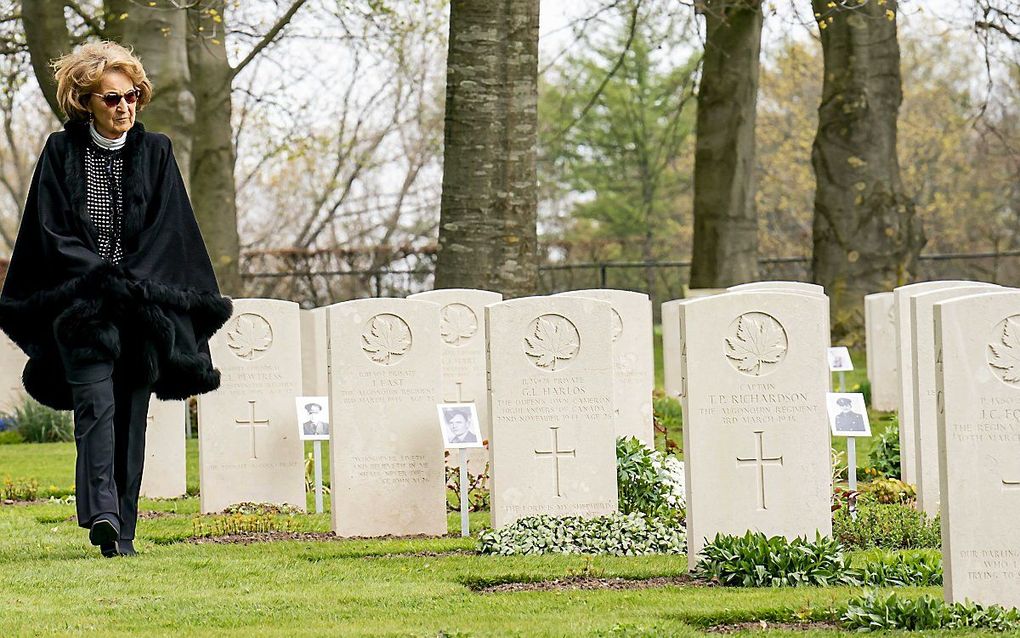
[757,560]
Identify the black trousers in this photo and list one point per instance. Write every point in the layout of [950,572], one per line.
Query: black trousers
[110,411]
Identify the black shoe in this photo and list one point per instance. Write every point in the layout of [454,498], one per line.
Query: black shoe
[126,548]
[110,550]
[103,531]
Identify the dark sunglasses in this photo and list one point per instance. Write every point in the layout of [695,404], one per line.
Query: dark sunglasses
[111,100]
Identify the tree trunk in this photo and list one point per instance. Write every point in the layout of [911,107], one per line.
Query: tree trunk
[487,227]
[866,231]
[725,220]
[48,38]
[157,34]
[212,153]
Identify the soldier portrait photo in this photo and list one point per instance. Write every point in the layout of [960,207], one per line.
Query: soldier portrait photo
[848,415]
[460,425]
[313,417]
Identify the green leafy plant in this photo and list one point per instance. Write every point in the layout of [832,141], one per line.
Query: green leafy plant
[19,489]
[310,475]
[877,612]
[37,423]
[617,534]
[649,481]
[238,524]
[245,518]
[261,509]
[902,570]
[477,484]
[668,418]
[11,437]
[755,560]
[885,526]
[884,458]
[864,387]
[890,490]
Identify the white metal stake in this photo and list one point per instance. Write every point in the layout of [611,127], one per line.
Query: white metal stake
[464,524]
[317,451]
[851,445]
[851,455]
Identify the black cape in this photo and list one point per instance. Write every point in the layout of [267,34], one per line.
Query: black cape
[152,313]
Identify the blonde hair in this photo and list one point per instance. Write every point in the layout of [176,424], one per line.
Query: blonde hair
[78,74]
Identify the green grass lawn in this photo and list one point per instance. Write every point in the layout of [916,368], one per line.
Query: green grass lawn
[53,583]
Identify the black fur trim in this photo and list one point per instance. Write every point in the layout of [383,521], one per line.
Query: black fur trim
[186,375]
[106,315]
[208,311]
[43,378]
[20,319]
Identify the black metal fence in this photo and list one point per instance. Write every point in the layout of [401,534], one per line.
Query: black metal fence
[662,280]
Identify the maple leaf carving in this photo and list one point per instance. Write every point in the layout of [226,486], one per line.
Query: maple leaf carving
[617,325]
[458,324]
[1006,354]
[757,342]
[388,338]
[553,339]
[250,335]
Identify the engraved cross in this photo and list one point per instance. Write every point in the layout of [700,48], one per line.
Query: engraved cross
[251,422]
[556,453]
[460,395]
[760,461]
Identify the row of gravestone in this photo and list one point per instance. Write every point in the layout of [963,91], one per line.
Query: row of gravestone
[900,336]
[955,348]
[555,380]
[748,364]
[946,356]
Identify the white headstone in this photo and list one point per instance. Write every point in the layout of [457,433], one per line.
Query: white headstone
[880,341]
[249,448]
[756,436]
[922,319]
[633,360]
[165,473]
[799,286]
[386,448]
[698,293]
[462,344]
[905,369]
[553,438]
[12,363]
[979,446]
[672,346]
[313,352]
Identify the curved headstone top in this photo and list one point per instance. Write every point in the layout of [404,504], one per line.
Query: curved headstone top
[800,286]
[977,394]
[757,451]
[386,452]
[880,339]
[925,358]
[633,359]
[905,365]
[553,433]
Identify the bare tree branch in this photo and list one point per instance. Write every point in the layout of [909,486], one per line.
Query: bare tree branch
[981,24]
[97,28]
[616,67]
[270,36]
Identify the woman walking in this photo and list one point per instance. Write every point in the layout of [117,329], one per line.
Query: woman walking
[110,290]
